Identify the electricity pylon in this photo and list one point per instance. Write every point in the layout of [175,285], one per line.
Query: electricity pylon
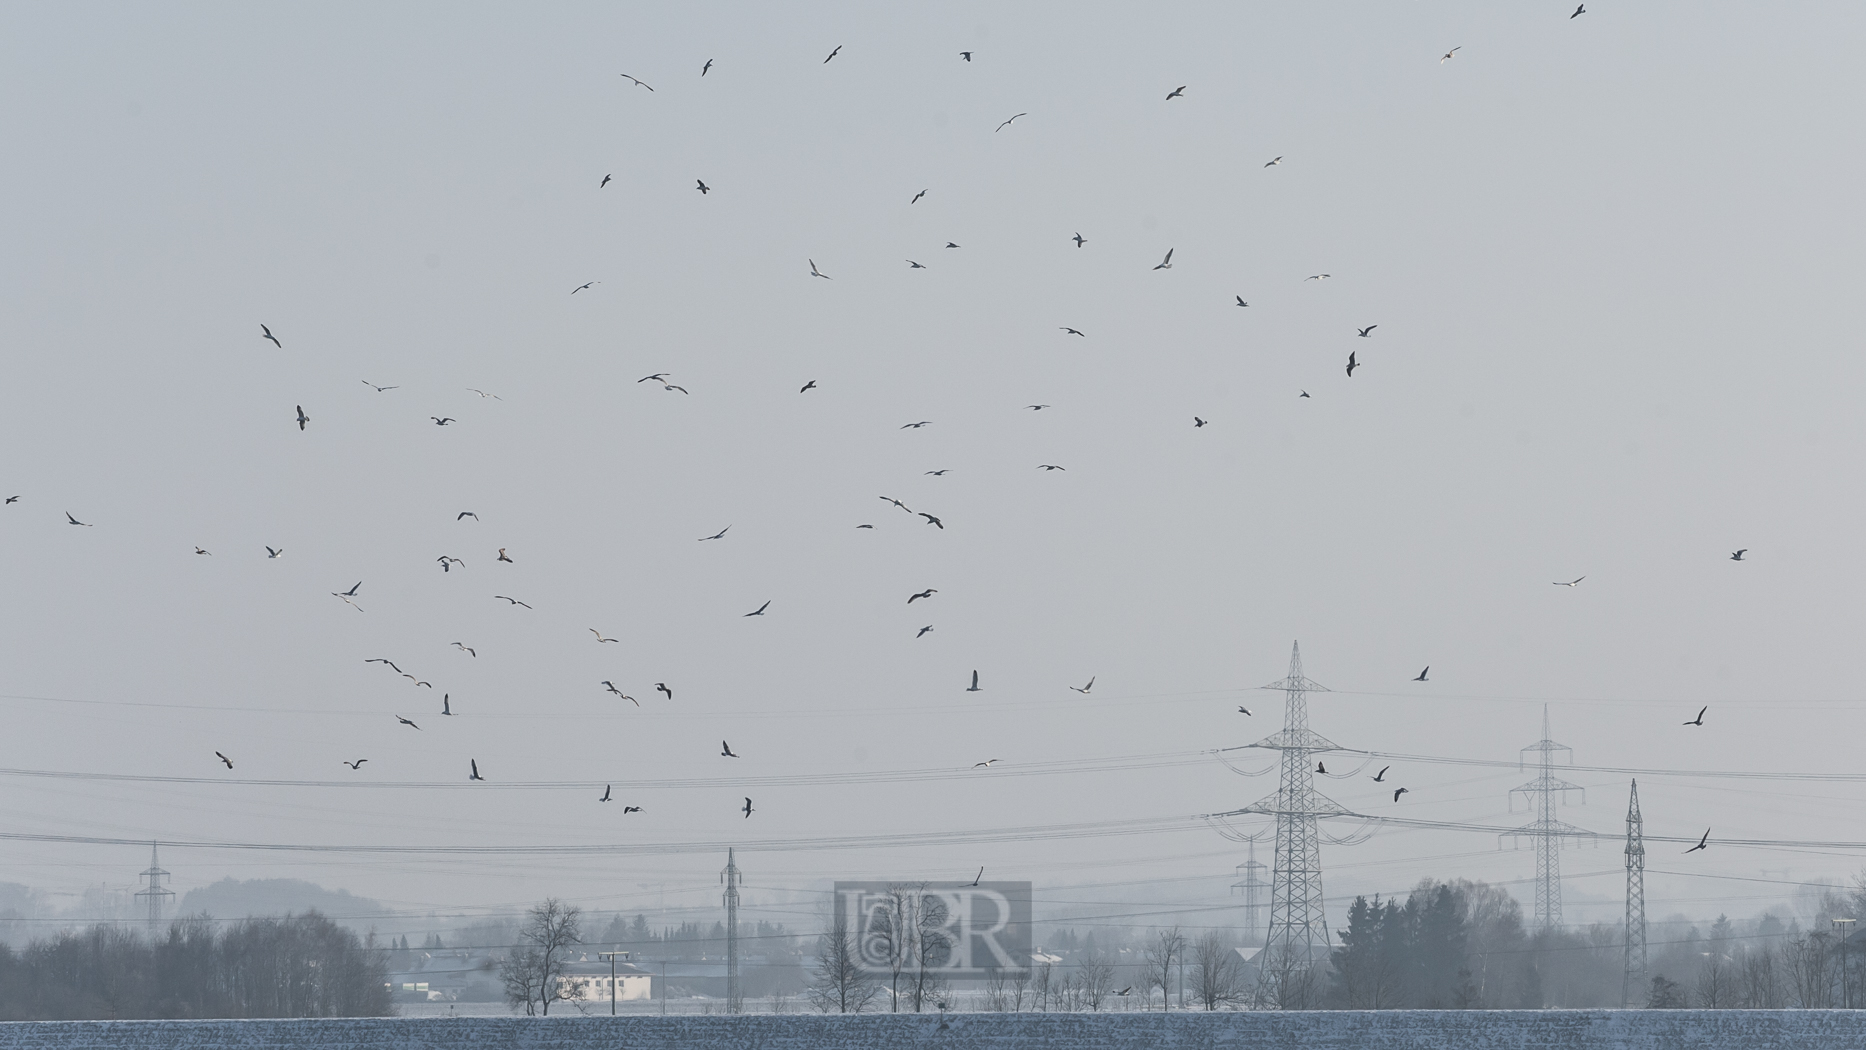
[154,893]
[1542,793]
[1635,902]
[1250,880]
[1297,938]
[730,877]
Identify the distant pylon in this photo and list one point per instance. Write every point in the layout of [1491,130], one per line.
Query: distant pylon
[1635,902]
[1541,793]
[1250,880]
[153,893]
[730,877]
[1297,937]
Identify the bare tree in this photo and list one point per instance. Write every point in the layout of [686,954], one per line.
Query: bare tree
[1168,948]
[1761,985]
[533,970]
[1716,983]
[1040,987]
[1809,968]
[1217,973]
[889,934]
[932,948]
[1020,985]
[838,981]
[997,991]
[1094,979]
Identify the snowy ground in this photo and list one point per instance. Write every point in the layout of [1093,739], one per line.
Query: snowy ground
[1331,1030]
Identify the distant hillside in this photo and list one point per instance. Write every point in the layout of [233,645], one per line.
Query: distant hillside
[237,899]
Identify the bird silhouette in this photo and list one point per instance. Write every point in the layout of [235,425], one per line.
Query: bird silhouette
[1197,422]
[1422,677]
[985,764]
[1166,263]
[605,181]
[483,394]
[356,765]
[203,550]
[1178,92]
[502,556]
[1446,57]
[1578,12]
[950,244]
[514,601]
[1036,408]
[1397,792]
[1699,720]
[917,197]
[717,535]
[448,563]
[467,649]
[1320,768]
[898,503]
[1352,365]
[1274,163]
[475,764]
[302,418]
[940,473]
[1244,711]
[832,54]
[1050,466]
[931,520]
[1363,332]
[1570,583]
[1702,843]
[924,630]
[626,810]
[220,756]
[600,638]
[1738,556]
[441,421]
[379,389]
[637,83]
[658,377]
[1305,393]
[672,386]
[1073,331]
[807,387]
[760,611]
[383,660]
[967,55]
[272,553]
[1084,689]
[916,426]
[605,797]
[268,335]
[406,722]
[582,286]
[814,272]
[912,265]
[725,750]
[1382,775]
[1318,277]
[1080,240]
[928,593]
[446,705]
[700,184]
[974,687]
[1007,123]
[707,66]
[661,687]
[1241,301]
[748,809]
[466,514]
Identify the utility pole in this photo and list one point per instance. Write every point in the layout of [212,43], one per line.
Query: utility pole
[611,956]
[154,894]
[1250,880]
[1635,902]
[1297,936]
[730,877]
[1846,989]
[1548,833]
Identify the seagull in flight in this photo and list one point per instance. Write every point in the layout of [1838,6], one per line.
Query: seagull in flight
[1318,277]
[1352,365]
[814,272]
[356,765]
[466,514]
[967,55]
[1166,263]
[268,335]
[985,764]
[1699,720]
[950,244]
[717,535]
[701,185]
[1080,240]
[1422,676]
[1241,301]
[1570,583]
[349,594]
[707,66]
[975,689]
[748,809]
[467,649]
[74,521]
[1197,422]
[1703,842]
[302,418]
[446,704]
[1084,689]
[382,660]
[626,810]
[659,377]
[661,687]
[505,559]
[760,611]
[271,553]
[484,394]
[1578,12]
[1036,408]
[832,54]
[898,503]
[203,550]
[1274,163]
[514,601]
[1007,124]
[1363,332]
[600,638]
[1738,556]
[912,265]
[1072,331]
[916,426]
[928,593]
[225,759]
[1305,393]
[725,750]
[1320,768]
[931,520]
[924,630]
[807,387]
[917,197]
[406,722]
[605,181]
[473,761]
[582,286]
[1447,55]
[1397,792]
[611,686]
[1382,775]
[940,473]
[672,386]
[1178,92]
[12,499]
[637,83]
[379,389]
[447,563]
[1245,711]
[605,797]
[1050,466]
[441,421]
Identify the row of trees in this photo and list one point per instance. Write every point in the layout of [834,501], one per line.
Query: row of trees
[296,966]
[905,934]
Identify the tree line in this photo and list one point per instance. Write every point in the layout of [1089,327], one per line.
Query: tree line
[295,966]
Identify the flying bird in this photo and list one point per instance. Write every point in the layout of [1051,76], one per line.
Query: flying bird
[467,649]
[928,593]
[980,875]
[466,514]
[605,797]
[351,593]
[1036,408]
[1050,466]
[974,687]
[725,750]
[1699,720]
[1241,301]
[814,272]
[225,759]
[1446,57]
[268,335]
[1703,842]
[1073,331]
[447,563]
[302,418]
[967,55]
[917,197]
[1318,277]
[1352,365]
[760,611]
[514,601]
[1166,263]
[661,687]
[659,377]
[626,810]
[1274,163]
[446,705]
[605,181]
[475,762]
[381,660]
[915,426]
[75,521]
[1007,123]
[203,550]
[717,535]
[832,54]
[931,520]
[271,553]
[419,682]
[924,630]
[12,499]
[483,394]
[671,386]
[701,185]
[1382,775]
[950,244]
[1397,792]
[707,66]
[441,421]
[1362,332]
[599,636]
[1320,768]
[912,265]
[1738,556]
[1570,583]
[898,503]
[582,286]
[1197,422]
[1080,240]
[1422,677]
[379,389]
[356,765]
[637,83]
[1084,689]
[1578,12]
[1178,92]
[748,809]
[505,559]
[807,387]
[940,473]
[985,764]
[1245,711]
[611,686]
[406,722]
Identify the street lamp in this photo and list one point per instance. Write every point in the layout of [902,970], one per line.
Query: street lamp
[611,956]
[1846,990]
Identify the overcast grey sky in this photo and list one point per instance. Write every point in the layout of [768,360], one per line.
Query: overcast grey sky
[1614,263]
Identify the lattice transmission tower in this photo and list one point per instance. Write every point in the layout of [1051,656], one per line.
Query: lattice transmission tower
[1297,937]
[153,893]
[730,876]
[1251,883]
[1542,794]
[1635,902]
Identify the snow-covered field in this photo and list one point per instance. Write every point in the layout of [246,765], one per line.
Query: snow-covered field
[1330,1030]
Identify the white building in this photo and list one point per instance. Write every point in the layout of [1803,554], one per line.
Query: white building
[589,982]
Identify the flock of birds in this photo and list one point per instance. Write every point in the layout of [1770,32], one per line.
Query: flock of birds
[448,562]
